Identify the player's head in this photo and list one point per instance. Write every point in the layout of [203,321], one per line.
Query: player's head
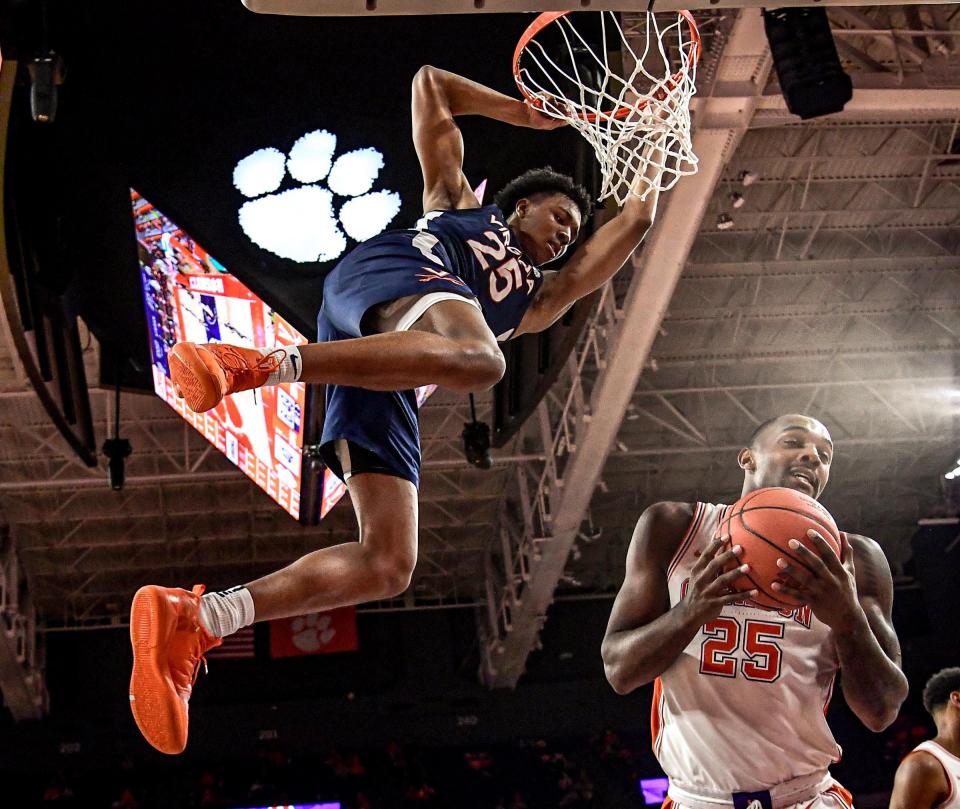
[544,210]
[942,694]
[793,450]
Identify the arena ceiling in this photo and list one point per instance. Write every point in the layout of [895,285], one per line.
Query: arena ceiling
[836,291]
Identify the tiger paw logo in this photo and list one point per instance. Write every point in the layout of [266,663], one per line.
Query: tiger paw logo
[328,199]
[312,632]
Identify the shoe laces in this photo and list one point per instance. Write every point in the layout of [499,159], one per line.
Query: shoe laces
[197,662]
[196,669]
[201,657]
[243,372]
[198,591]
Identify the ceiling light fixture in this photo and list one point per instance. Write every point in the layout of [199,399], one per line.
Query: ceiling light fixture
[955,472]
[724,221]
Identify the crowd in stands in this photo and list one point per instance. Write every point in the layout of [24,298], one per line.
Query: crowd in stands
[600,772]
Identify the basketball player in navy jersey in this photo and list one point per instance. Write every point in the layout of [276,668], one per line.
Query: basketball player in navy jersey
[740,691]
[404,309]
[929,776]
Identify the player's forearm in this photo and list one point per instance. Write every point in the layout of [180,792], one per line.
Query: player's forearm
[635,657]
[873,684]
[601,258]
[592,265]
[647,184]
[466,97]
[645,209]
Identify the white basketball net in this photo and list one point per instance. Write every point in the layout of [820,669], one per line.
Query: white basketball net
[637,122]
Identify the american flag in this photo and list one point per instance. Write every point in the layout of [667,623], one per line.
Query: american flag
[238,646]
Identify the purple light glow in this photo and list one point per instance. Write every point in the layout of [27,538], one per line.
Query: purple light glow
[654,790]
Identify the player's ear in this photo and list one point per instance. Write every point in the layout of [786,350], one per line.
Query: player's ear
[522,207]
[746,460]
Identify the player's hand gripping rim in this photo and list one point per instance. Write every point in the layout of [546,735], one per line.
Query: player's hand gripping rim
[536,118]
[710,589]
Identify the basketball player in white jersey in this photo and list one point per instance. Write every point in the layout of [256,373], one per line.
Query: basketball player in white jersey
[929,777]
[740,691]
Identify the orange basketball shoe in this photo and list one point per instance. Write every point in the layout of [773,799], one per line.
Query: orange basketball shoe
[203,373]
[168,647]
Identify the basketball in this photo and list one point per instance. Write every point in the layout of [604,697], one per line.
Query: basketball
[763,522]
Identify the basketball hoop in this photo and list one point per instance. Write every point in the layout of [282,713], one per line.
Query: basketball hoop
[637,120]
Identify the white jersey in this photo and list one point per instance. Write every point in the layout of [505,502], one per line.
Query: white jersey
[951,767]
[743,707]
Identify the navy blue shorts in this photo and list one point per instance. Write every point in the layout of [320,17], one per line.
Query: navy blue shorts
[355,460]
[385,268]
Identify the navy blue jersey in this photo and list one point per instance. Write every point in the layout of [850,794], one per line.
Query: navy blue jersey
[480,249]
[467,253]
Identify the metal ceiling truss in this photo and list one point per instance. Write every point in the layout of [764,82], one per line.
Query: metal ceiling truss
[68,521]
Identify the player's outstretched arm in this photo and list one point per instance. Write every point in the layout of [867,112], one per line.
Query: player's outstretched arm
[438,96]
[598,259]
[645,635]
[921,783]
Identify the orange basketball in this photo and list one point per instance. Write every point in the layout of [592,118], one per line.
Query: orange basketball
[763,522]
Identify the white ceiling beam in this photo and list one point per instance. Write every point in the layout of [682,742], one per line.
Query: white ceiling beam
[883,105]
[902,177]
[933,381]
[872,228]
[939,216]
[910,264]
[371,8]
[816,311]
[936,439]
[703,357]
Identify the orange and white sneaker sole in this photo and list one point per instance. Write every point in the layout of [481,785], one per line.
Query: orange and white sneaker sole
[192,379]
[157,708]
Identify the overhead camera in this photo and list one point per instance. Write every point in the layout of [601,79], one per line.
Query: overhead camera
[46,74]
[476,444]
[117,451]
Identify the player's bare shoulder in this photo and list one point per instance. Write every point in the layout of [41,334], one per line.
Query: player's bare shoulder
[920,782]
[871,568]
[659,530]
[864,548]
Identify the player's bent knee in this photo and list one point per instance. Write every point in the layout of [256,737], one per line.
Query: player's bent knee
[392,573]
[395,578]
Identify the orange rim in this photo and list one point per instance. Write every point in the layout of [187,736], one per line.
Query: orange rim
[550,17]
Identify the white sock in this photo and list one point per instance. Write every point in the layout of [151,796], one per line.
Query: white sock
[225,612]
[290,366]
